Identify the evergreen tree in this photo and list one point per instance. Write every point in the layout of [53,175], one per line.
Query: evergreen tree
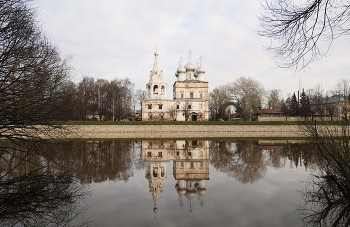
[294,106]
[304,105]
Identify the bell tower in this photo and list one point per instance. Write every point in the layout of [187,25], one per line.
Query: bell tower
[156,88]
[155,173]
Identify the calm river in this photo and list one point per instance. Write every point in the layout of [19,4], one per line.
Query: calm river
[156,183]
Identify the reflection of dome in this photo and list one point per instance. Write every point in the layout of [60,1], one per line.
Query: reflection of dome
[181,191]
[155,209]
[190,194]
[200,69]
[190,67]
[202,191]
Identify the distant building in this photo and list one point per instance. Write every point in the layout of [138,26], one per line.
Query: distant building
[269,115]
[190,95]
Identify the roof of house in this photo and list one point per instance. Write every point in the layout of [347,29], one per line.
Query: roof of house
[269,111]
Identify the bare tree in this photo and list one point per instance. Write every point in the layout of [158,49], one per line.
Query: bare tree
[218,100]
[298,29]
[173,112]
[248,93]
[316,97]
[274,99]
[342,92]
[186,109]
[326,198]
[139,96]
[342,88]
[32,75]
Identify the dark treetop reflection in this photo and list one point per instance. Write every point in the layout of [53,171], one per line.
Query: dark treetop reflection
[326,197]
[213,183]
[36,190]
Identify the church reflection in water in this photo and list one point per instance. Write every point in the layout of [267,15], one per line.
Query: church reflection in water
[190,168]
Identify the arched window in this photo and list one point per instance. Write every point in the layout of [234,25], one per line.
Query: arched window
[155,89]
[162,89]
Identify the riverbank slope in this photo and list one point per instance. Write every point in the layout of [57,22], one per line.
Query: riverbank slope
[183,131]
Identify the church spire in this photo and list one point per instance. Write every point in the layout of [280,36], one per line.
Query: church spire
[156,68]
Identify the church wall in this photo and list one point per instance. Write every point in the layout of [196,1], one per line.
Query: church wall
[187,89]
[151,110]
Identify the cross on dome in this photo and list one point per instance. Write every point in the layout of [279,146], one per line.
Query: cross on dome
[180,61]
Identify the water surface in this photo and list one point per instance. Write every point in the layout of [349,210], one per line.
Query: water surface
[183,182]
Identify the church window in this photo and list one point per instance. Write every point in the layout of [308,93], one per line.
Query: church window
[192,165]
[182,96]
[189,106]
[201,96]
[155,172]
[149,154]
[155,89]
[149,106]
[191,95]
[162,89]
[160,154]
[160,106]
[177,107]
[162,172]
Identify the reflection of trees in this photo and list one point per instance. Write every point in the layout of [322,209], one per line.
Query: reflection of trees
[39,182]
[247,161]
[97,161]
[326,198]
[33,193]
[242,160]
[137,156]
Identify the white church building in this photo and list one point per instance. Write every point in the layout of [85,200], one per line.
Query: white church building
[190,95]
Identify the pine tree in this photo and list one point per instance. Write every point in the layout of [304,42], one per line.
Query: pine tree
[294,106]
[304,105]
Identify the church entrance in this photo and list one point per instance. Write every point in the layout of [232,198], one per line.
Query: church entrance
[194,117]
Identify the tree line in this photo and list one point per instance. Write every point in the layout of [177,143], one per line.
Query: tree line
[245,96]
[100,99]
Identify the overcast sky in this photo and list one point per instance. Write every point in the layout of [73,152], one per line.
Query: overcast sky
[117,39]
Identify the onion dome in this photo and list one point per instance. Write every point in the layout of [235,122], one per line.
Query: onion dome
[181,69]
[190,194]
[202,191]
[190,67]
[181,191]
[200,69]
[155,209]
